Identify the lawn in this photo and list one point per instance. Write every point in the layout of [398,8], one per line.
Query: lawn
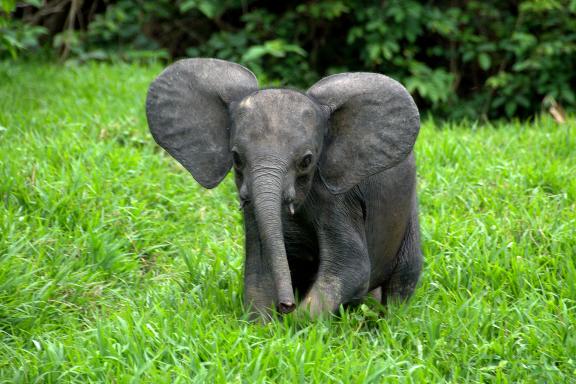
[115,266]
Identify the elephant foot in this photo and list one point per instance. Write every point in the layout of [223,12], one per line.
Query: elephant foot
[376,294]
[319,300]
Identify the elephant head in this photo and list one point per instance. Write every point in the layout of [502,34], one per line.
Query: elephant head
[210,116]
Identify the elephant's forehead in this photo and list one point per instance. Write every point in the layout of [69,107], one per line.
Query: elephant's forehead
[277,112]
[278,98]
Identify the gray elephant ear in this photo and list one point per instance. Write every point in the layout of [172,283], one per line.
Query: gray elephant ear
[373,126]
[187,111]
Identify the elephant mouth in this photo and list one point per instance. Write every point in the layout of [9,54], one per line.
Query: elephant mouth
[291,208]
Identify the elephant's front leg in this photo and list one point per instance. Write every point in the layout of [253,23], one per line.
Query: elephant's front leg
[344,270]
[259,287]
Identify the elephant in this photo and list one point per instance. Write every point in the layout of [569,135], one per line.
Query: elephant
[326,179]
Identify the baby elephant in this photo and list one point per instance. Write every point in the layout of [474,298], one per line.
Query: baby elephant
[326,178]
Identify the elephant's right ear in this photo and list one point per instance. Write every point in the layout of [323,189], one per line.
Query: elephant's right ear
[187,111]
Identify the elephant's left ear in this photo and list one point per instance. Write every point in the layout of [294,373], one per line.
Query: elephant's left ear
[373,126]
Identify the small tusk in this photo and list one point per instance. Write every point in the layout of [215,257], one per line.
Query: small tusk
[243,204]
[291,208]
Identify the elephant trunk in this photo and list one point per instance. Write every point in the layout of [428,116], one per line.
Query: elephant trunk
[267,198]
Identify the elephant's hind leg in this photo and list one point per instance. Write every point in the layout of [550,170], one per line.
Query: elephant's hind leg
[403,281]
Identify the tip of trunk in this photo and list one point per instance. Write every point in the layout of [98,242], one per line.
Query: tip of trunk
[286,307]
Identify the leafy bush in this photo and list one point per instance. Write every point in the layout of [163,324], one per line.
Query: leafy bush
[16,35]
[478,59]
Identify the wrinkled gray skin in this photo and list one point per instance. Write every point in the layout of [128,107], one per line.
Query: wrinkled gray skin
[326,178]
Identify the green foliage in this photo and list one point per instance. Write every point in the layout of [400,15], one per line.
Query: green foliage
[15,35]
[474,59]
[114,35]
[115,266]
[479,58]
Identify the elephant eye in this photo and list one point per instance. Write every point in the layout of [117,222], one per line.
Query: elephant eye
[305,162]
[237,160]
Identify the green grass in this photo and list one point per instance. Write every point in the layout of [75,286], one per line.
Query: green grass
[115,266]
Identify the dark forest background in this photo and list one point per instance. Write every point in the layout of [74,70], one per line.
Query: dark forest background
[460,59]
